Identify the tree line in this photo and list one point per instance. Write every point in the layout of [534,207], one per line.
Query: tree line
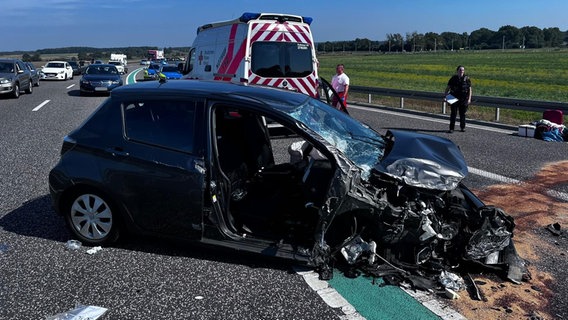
[507,37]
[90,53]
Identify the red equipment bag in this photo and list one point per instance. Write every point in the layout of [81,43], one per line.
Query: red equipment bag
[555,116]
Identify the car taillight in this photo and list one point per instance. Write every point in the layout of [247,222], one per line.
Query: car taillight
[68,144]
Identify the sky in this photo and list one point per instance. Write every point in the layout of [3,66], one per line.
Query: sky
[30,25]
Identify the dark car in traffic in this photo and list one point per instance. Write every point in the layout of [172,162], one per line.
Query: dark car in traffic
[76,67]
[196,160]
[100,78]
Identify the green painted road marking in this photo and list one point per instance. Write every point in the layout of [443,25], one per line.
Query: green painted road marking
[131,78]
[379,303]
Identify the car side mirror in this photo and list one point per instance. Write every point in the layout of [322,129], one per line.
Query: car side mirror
[20,71]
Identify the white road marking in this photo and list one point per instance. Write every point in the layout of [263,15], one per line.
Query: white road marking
[71,86]
[41,105]
[563,196]
[493,176]
[329,295]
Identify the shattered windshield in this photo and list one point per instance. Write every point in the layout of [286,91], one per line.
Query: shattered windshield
[363,146]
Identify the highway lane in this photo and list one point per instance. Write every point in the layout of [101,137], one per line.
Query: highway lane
[39,277]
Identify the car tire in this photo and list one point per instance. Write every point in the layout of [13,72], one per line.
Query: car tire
[30,88]
[37,83]
[71,76]
[16,93]
[92,218]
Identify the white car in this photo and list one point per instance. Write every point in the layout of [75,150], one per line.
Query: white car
[58,70]
[118,66]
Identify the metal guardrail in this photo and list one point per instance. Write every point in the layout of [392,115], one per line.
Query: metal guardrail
[496,102]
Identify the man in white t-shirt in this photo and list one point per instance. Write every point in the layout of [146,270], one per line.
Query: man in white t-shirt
[340,83]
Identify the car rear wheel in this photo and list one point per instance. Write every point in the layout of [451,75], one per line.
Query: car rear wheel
[16,93]
[29,90]
[92,217]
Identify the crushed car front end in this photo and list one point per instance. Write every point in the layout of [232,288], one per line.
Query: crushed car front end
[397,205]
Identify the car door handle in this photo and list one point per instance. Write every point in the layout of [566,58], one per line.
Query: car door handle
[117,152]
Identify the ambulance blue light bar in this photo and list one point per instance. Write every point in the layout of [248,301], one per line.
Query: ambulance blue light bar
[247,16]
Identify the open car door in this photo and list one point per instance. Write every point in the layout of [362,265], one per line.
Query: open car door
[330,93]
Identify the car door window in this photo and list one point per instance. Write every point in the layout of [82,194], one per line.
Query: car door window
[168,124]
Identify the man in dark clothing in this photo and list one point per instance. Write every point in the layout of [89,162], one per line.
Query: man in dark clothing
[459,86]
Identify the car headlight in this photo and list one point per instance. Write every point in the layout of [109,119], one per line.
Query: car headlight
[61,72]
[85,81]
[3,81]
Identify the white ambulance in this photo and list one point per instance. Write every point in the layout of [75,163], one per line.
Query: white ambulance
[260,48]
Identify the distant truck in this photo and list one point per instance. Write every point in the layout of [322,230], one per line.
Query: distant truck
[118,57]
[258,48]
[155,54]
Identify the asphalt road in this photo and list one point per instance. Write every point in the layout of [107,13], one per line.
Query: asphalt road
[154,279]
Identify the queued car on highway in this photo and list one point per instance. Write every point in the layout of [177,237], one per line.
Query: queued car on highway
[122,69]
[75,66]
[34,73]
[151,73]
[100,78]
[144,62]
[170,72]
[57,70]
[195,160]
[14,77]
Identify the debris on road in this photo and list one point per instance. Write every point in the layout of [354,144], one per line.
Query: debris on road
[80,313]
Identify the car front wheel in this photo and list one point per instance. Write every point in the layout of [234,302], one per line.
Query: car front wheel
[30,88]
[16,93]
[92,218]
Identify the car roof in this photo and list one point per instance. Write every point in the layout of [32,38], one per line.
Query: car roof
[210,89]
[101,65]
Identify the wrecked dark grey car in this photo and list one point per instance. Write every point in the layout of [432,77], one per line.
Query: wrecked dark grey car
[277,173]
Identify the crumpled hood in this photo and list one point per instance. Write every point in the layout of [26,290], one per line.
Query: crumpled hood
[423,161]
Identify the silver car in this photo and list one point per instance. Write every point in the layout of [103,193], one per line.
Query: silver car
[14,76]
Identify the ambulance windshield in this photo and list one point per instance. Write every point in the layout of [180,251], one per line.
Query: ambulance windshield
[281,59]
